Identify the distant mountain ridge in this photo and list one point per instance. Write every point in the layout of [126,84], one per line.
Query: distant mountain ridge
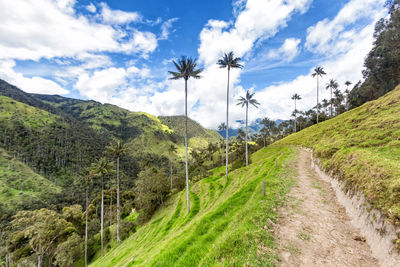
[254,127]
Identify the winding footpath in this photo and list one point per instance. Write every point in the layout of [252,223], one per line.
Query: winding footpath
[314,230]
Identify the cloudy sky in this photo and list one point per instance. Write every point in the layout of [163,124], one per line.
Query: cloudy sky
[120,52]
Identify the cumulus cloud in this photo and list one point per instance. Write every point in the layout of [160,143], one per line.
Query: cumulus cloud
[91,8]
[113,16]
[336,35]
[22,34]
[287,52]
[33,84]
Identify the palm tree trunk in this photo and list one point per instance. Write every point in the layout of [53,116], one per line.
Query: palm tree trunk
[317,98]
[186,150]
[295,116]
[102,214]
[86,225]
[247,154]
[227,128]
[170,172]
[118,210]
[331,101]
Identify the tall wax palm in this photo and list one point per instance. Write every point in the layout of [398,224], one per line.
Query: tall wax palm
[87,180]
[295,97]
[186,68]
[230,62]
[347,83]
[245,101]
[171,151]
[117,149]
[318,72]
[332,85]
[101,168]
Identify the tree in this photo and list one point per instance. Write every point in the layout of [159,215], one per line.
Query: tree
[87,180]
[43,228]
[186,69]
[101,168]
[295,97]
[117,149]
[347,92]
[245,101]
[332,85]
[318,72]
[230,62]
[151,190]
[171,151]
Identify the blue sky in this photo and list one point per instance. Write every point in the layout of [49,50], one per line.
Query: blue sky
[120,51]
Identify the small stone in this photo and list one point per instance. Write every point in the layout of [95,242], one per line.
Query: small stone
[359,238]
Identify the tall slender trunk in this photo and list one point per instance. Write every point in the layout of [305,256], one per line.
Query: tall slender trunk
[247,154]
[102,215]
[295,116]
[86,224]
[40,260]
[118,208]
[227,128]
[170,172]
[331,102]
[317,99]
[186,150]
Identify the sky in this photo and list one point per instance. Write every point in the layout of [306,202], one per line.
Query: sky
[120,51]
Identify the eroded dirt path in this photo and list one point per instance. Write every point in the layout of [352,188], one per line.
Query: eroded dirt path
[313,228]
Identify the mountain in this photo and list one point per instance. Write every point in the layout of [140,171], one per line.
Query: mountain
[254,127]
[229,218]
[198,136]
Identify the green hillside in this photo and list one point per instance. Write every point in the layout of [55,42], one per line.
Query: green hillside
[227,224]
[362,148]
[21,187]
[198,136]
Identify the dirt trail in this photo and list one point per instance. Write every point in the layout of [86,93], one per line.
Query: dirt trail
[314,230]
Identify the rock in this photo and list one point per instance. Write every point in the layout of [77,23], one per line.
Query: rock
[359,238]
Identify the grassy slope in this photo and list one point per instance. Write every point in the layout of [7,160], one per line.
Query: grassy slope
[198,136]
[19,184]
[362,148]
[226,224]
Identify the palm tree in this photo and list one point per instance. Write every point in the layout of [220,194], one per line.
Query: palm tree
[117,149]
[87,180]
[347,83]
[318,72]
[101,168]
[332,85]
[186,69]
[245,101]
[171,151]
[295,97]
[228,61]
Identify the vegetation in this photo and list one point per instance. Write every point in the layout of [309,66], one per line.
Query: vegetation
[227,224]
[362,148]
[230,62]
[245,101]
[318,72]
[186,69]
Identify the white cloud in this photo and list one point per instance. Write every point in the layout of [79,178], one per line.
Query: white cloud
[34,84]
[287,52]
[101,85]
[91,8]
[118,16]
[334,36]
[165,28]
[47,29]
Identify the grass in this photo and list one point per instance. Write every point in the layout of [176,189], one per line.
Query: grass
[20,185]
[227,224]
[362,148]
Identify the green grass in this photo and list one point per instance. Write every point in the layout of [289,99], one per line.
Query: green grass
[362,148]
[227,224]
[20,185]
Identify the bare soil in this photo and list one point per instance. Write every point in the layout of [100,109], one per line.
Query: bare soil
[314,230]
